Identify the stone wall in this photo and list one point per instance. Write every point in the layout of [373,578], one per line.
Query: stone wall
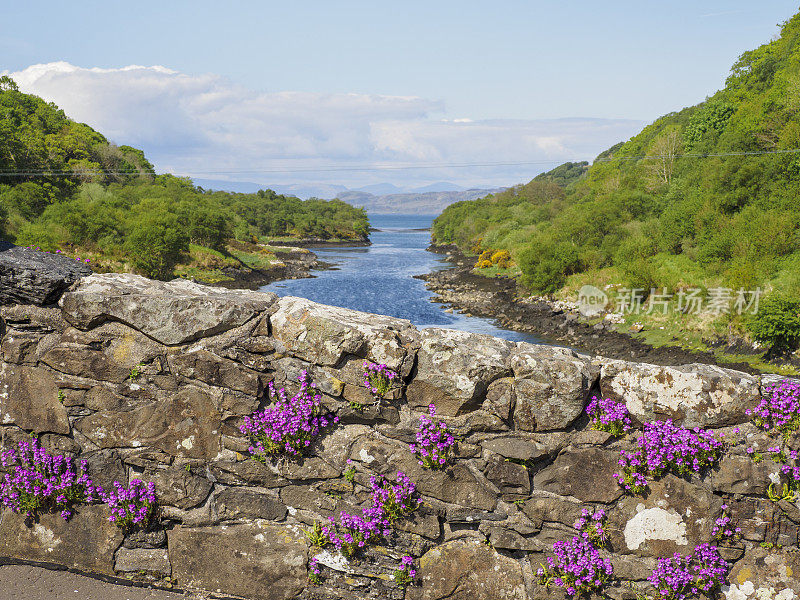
[152,380]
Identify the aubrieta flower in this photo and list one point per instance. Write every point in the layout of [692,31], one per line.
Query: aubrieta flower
[390,501]
[723,527]
[43,482]
[289,425]
[434,442]
[405,574]
[378,379]
[577,567]
[779,409]
[314,575]
[131,505]
[591,524]
[683,577]
[663,448]
[609,415]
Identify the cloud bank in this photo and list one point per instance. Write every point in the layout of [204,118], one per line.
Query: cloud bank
[208,127]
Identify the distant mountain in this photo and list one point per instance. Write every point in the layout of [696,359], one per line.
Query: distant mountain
[439,186]
[300,190]
[380,189]
[382,198]
[242,187]
[428,203]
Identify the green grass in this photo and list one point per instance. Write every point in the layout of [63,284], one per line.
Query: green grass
[260,260]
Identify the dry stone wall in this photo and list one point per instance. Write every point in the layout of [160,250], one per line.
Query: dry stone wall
[152,380]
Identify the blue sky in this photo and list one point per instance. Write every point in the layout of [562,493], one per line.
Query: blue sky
[353,84]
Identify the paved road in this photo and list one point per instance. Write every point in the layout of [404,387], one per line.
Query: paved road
[22,582]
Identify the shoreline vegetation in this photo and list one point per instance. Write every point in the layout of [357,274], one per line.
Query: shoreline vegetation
[65,188]
[701,204]
[465,289]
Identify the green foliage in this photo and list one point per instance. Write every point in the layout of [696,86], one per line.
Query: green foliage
[777,323]
[710,120]
[155,243]
[683,187]
[316,536]
[545,265]
[565,174]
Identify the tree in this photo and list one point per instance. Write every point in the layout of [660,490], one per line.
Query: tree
[155,243]
[777,323]
[662,156]
[7,84]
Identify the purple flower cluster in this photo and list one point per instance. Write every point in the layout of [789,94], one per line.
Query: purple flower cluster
[351,532]
[723,527]
[405,574]
[683,577]
[315,572]
[577,567]
[591,524]
[780,409]
[289,425]
[378,379]
[609,415]
[43,482]
[131,505]
[664,447]
[434,442]
[390,501]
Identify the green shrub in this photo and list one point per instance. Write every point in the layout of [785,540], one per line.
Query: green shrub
[545,265]
[155,244]
[777,323]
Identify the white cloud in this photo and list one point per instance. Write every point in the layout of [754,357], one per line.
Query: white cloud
[209,127]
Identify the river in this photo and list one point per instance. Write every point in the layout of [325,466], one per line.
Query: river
[379,278]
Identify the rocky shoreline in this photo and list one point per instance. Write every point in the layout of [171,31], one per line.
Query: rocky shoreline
[497,298]
[294,264]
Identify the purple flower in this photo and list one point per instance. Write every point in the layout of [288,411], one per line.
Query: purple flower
[40,481]
[577,567]
[682,577]
[289,425]
[779,409]
[131,505]
[434,442]
[664,447]
[378,379]
[608,415]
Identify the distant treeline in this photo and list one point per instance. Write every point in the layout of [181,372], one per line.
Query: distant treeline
[62,184]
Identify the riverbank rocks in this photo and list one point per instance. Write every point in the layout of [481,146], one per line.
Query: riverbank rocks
[29,399]
[586,474]
[29,276]
[694,395]
[765,573]
[675,516]
[154,380]
[171,312]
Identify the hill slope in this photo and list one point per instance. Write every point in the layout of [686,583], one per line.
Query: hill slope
[706,196]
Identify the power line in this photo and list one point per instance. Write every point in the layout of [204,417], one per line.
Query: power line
[401,167]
